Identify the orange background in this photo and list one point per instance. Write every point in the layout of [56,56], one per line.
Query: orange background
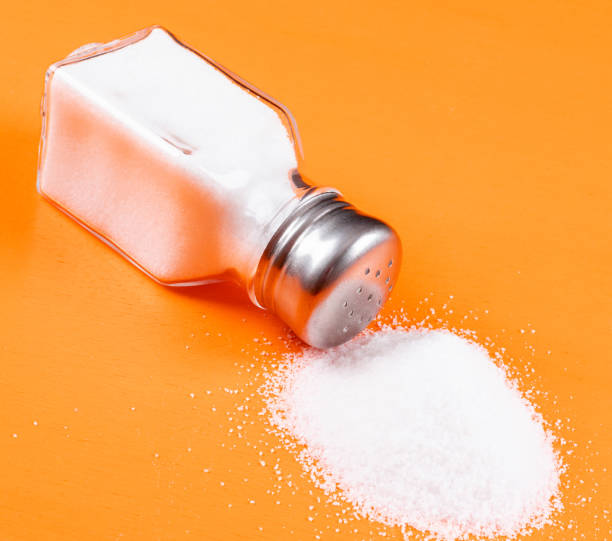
[482,133]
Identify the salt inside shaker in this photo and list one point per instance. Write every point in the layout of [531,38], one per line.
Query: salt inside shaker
[191,174]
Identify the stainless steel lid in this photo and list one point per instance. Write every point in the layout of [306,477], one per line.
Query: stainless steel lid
[328,270]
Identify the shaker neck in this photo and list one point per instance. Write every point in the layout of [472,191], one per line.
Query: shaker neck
[312,204]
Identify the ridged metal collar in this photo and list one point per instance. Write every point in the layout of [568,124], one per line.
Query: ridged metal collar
[328,270]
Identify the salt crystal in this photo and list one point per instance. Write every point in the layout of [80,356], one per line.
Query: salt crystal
[419,428]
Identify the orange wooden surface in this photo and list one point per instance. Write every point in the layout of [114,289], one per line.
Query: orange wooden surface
[482,133]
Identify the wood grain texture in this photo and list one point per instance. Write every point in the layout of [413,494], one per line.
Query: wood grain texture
[481,132]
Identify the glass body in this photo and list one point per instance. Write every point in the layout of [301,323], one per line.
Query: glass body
[178,164]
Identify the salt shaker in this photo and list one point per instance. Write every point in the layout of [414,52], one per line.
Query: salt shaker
[191,174]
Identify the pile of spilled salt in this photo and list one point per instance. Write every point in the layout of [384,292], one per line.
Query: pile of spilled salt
[419,428]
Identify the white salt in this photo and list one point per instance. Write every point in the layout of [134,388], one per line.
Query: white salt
[226,140]
[419,428]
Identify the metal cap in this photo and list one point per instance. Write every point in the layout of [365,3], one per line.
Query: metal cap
[328,270]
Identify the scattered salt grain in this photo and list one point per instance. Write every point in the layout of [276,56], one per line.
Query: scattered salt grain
[419,428]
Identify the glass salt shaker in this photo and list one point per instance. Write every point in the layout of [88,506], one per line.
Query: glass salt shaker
[191,174]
